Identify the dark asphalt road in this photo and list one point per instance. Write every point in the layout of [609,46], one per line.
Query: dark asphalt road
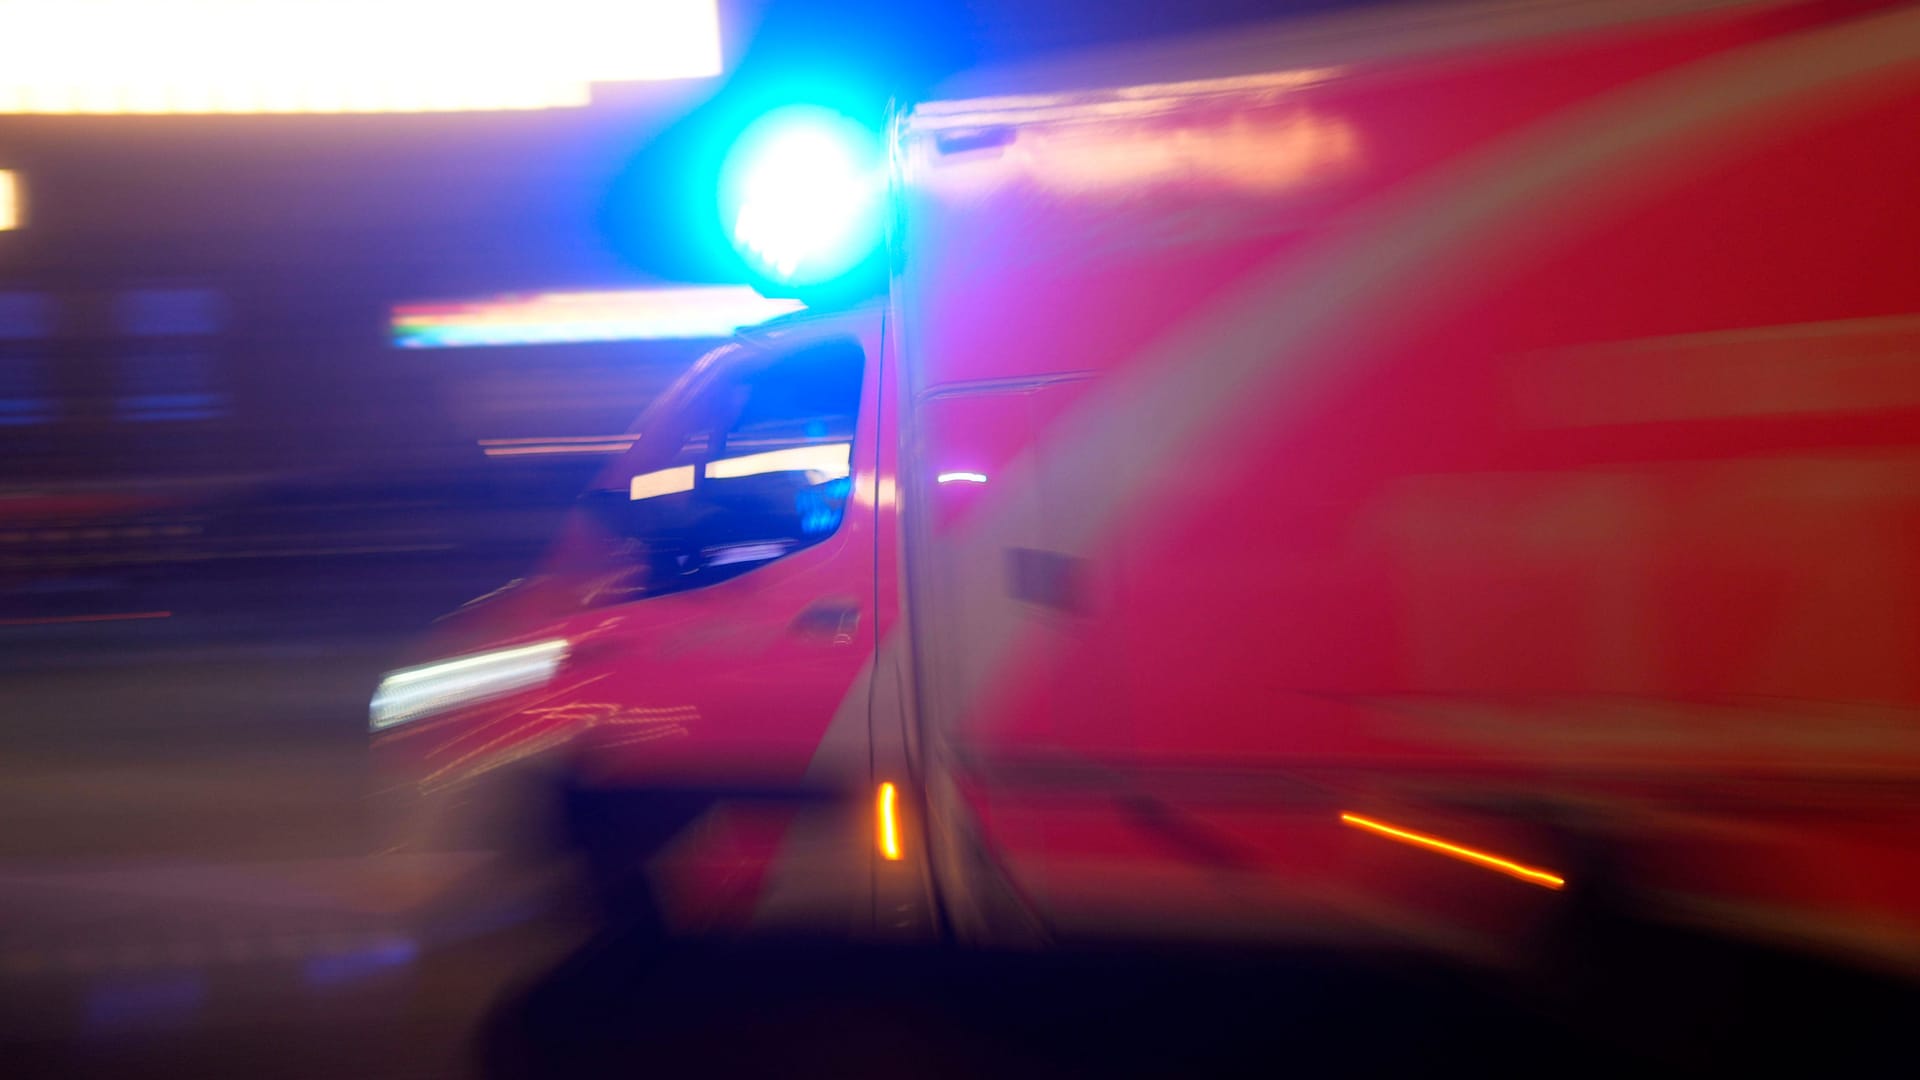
[187,889]
[187,884]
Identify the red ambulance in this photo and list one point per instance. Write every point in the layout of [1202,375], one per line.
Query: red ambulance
[1377,478]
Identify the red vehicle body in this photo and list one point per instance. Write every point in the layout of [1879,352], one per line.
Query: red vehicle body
[1371,479]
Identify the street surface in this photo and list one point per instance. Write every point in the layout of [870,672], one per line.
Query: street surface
[189,886]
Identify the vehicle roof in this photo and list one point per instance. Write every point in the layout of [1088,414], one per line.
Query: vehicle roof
[1247,57]
[811,322]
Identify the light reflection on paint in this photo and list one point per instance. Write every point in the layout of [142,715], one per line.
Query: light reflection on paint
[1246,154]
[889,824]
[961,478]
[1143,99]
[684,313]
[1479,858]
[329,56]
[1262,151]
[505,739]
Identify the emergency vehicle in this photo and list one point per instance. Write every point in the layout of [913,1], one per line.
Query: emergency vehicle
[1376,478]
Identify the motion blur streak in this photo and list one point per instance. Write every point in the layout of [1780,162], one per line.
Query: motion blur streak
[9,200]
[1480,858]
[1261,151]
[660,482]
[1145,99]
[554,318]
[542,440]
[830,461]
[961,478]
[416,692]
[341,56]
[889,823]
[558,444]
[1247,156]
[111,617]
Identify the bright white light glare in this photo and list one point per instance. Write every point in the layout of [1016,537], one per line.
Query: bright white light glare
[690,312]
[961,478]
[827,461]
[433,688]
[801,202]
[333,56]
[806,198]
[660,482]
[9,200]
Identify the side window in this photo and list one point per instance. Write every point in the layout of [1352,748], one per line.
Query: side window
[793,435]
[764,469]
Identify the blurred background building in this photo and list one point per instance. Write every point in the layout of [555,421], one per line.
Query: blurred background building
[197,312]
[211,244]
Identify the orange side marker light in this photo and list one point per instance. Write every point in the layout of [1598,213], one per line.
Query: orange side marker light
[889,822]
[1466,854]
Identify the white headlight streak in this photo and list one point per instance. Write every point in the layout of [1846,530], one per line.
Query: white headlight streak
[415,692]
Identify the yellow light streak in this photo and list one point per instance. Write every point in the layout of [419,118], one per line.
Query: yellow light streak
[889,822]
[1467,854]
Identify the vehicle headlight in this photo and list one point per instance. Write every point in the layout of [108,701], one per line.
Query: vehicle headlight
[412,693]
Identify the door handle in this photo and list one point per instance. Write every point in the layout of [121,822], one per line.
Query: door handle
[832,621]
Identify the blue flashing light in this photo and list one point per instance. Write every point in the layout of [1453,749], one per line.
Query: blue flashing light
[802,192]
